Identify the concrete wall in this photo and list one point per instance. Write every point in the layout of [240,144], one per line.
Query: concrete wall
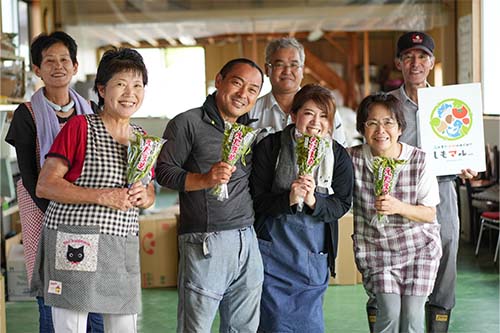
[492,130]
[153,125]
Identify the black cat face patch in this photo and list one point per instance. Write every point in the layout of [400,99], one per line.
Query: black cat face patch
[76,252]
[75,255]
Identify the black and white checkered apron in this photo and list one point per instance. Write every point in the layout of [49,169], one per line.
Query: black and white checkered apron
[401,256]
[90,256]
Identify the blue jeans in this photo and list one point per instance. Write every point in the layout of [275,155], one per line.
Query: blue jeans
[94,322]
[219,270]
[45,319]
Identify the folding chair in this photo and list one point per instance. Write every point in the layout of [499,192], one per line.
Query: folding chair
[489,220]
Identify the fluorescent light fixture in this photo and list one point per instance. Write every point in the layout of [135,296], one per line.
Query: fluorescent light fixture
[187,40]
[315,35]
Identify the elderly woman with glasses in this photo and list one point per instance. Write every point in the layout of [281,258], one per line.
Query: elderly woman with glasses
[396,236]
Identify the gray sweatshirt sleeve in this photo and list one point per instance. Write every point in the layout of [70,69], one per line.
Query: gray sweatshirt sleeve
[169,168]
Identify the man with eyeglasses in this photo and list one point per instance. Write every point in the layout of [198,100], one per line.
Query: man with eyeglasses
[285,59]
[415,60]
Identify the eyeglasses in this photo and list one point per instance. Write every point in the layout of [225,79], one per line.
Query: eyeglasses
[386,123]
[294,66]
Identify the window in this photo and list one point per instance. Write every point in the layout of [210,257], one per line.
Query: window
[10,13]
[176,81]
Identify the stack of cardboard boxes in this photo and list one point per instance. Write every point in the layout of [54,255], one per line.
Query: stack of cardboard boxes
[345,266]
[159,253]
[17,279]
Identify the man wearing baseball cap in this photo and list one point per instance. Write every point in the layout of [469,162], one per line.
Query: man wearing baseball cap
[415,59]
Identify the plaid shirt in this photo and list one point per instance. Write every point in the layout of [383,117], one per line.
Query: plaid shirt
[402,256]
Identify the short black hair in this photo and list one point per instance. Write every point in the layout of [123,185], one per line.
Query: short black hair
[44,41]
[387,100]
[231,63]
[118,60]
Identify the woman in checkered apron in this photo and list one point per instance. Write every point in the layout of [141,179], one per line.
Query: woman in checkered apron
[33,128]
[398,257]
[89,257]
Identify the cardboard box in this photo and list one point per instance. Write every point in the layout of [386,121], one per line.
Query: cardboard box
[8,86]
[159,252]
[15,222]
[9,242]
[345,267]
[3,323]
[17,279]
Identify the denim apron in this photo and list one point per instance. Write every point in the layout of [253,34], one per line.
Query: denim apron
[295,274]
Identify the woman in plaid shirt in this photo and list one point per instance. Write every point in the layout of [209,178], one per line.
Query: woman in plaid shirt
[398,255]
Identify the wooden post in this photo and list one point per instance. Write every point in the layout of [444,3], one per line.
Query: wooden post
[352,62]
[476,40]
[254,48]
[366,64]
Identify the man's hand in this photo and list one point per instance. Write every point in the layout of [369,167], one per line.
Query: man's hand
[219,173]
[468,174]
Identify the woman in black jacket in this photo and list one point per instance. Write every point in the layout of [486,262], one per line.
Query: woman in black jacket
[298,247]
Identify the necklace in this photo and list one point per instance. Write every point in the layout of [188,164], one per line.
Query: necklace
[59,108]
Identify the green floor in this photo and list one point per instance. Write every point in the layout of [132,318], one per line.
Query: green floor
[477,309]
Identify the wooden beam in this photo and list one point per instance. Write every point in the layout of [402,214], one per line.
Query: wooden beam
[322,72]
[328,37]
[230,38]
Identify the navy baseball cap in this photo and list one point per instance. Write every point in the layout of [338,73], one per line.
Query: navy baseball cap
[415,40]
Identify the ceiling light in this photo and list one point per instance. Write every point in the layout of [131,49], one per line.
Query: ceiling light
[187,40]
[315,35]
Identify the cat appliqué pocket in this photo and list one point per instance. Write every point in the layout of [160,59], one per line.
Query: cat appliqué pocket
[76,251]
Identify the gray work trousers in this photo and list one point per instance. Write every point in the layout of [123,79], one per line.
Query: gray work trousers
[400,313]
[443,294]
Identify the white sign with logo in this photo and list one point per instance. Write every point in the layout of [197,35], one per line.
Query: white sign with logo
[451,127]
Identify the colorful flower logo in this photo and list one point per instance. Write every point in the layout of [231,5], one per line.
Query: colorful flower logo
[451,119]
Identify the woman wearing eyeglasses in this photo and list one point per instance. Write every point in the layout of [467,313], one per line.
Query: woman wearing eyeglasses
[396,236]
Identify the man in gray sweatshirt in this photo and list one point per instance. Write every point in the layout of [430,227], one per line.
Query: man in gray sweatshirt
[220,266]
